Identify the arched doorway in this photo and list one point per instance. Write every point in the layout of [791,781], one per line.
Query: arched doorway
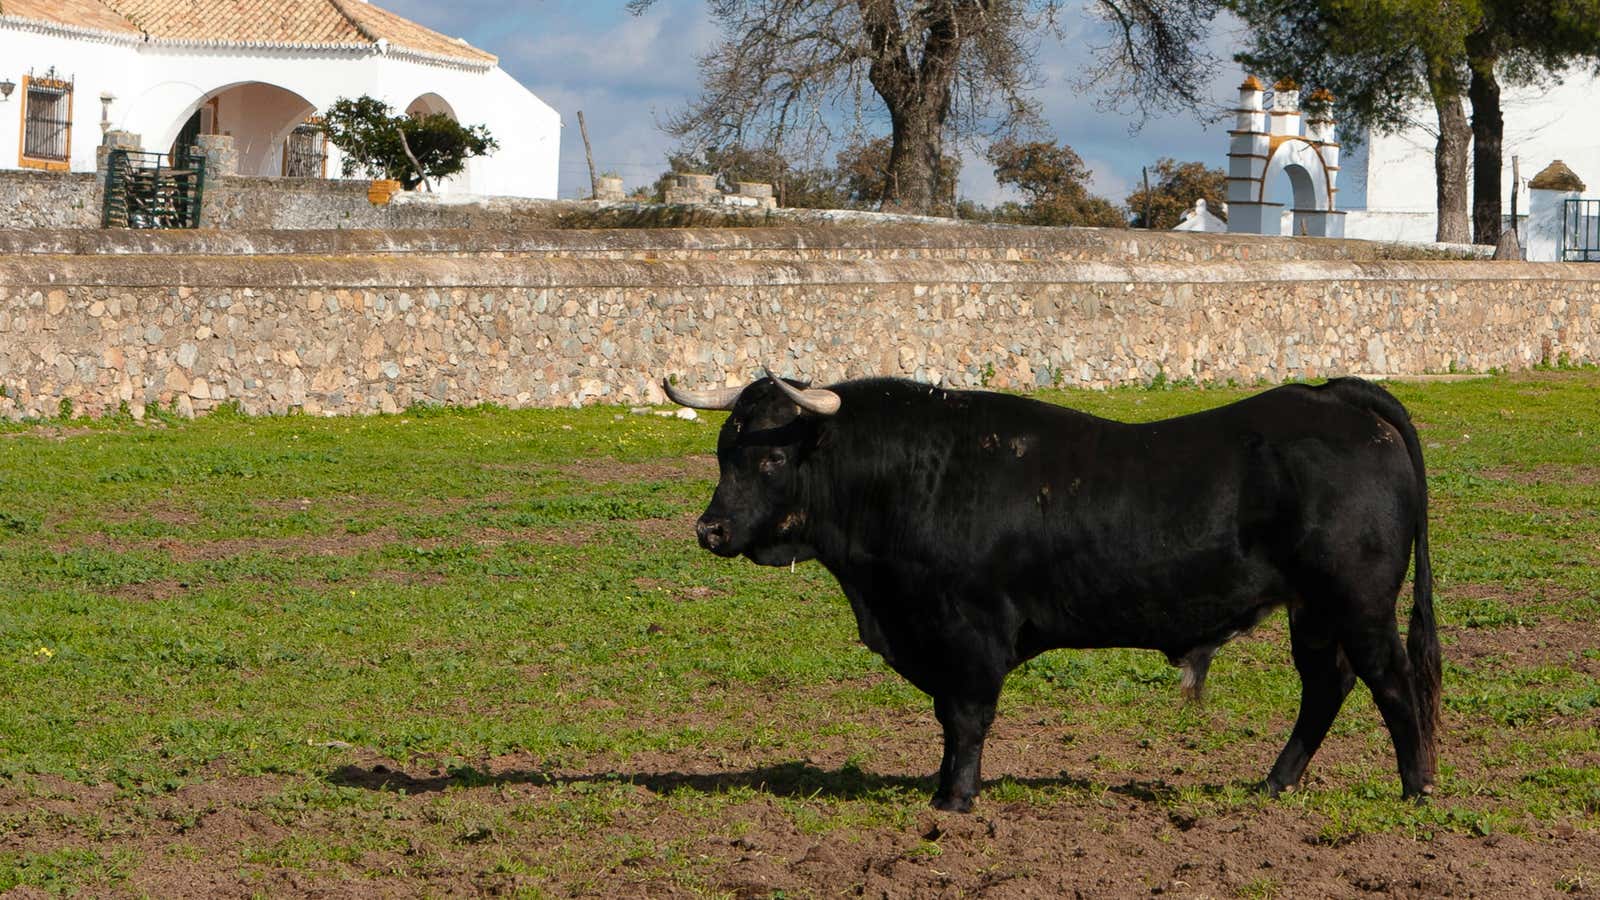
[259,116]
[1297,181]
[432,104]
[429,104]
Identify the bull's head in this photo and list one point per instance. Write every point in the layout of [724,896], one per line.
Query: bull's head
[762,453]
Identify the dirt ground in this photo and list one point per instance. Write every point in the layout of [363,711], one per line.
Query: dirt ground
[1090,842]
[1121,845]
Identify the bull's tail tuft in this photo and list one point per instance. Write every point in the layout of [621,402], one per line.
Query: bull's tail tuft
[1422,641]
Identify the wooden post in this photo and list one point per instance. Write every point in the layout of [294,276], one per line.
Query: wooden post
[588,155]
[1145,170]
[1510,244]
[1516,182]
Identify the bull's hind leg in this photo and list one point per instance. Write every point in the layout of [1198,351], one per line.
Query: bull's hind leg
[1373,646]
[1325,680]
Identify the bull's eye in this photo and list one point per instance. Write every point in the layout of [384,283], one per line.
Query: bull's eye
[773,461]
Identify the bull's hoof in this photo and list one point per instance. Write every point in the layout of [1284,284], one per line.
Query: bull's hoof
[1419,795]
[1274,790]
[949,803]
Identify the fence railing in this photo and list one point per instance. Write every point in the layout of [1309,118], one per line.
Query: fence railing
[149,190]
[1580,231]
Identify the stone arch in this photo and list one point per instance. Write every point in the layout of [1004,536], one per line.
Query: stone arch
[258,114]
[1272,148]
[1297,165]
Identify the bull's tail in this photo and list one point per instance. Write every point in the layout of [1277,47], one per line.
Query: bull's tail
[1422,640]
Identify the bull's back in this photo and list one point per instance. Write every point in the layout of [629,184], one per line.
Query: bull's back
[1116,534]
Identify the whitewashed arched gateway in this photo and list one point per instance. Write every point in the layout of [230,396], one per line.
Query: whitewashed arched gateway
[1280,161]
[255,71]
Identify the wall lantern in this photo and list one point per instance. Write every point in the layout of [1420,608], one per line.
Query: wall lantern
[6,87]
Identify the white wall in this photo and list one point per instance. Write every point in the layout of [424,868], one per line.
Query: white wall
[95,66]
[159,86]
[1392,176]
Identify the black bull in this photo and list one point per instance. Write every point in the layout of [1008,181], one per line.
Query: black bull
[972,531]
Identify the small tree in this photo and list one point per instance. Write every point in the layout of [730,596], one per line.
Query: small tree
[1054,179]
[863,171]
[410,149]
[1178,185]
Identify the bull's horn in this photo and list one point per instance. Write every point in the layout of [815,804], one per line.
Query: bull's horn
[813,400]
[722,398]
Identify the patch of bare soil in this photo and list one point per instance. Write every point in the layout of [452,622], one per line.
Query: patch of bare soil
[1551,642]
[340,543]
[151,591]
[1123,848]
[1119,842]
[156,511]
[1546,375]
[1115,820]
[700,466]
[330,544]
[183,550]
[680,528]
[1546,473]
[49,432]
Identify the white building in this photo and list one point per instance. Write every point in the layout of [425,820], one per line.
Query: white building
[1386,183]
[256,70]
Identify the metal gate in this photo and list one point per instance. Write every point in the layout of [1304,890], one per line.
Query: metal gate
[1580,231]
[146,190]
[304,152]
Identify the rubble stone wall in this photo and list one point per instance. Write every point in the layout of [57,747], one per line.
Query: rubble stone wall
[31,199]
[360,333]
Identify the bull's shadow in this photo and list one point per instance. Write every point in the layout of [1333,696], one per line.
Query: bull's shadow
[790,779]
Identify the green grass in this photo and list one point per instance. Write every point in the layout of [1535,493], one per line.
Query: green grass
[504,597]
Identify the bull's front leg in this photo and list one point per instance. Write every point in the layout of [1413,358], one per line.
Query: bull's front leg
[966,719]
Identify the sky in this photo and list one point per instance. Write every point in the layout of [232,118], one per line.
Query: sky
[629,73]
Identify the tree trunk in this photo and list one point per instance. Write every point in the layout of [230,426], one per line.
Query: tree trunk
[918,96]
[915,150]
[1488,126]
[1450,164]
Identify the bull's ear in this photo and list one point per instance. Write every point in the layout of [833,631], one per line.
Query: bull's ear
[817,401]
[723,398]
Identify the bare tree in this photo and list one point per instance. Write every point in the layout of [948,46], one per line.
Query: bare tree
[944,70]
[1154,55]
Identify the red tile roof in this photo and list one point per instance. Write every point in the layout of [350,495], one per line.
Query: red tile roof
[305,23]
[90,14]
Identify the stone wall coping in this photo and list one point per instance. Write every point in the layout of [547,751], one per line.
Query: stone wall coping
[1124,243]
[421,273]
[38,176]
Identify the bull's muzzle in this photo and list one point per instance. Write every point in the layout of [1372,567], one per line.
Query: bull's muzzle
[713,532]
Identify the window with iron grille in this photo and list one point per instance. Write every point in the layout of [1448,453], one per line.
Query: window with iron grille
[47,122]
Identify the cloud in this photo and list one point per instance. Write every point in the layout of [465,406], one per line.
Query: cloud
[627,73]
